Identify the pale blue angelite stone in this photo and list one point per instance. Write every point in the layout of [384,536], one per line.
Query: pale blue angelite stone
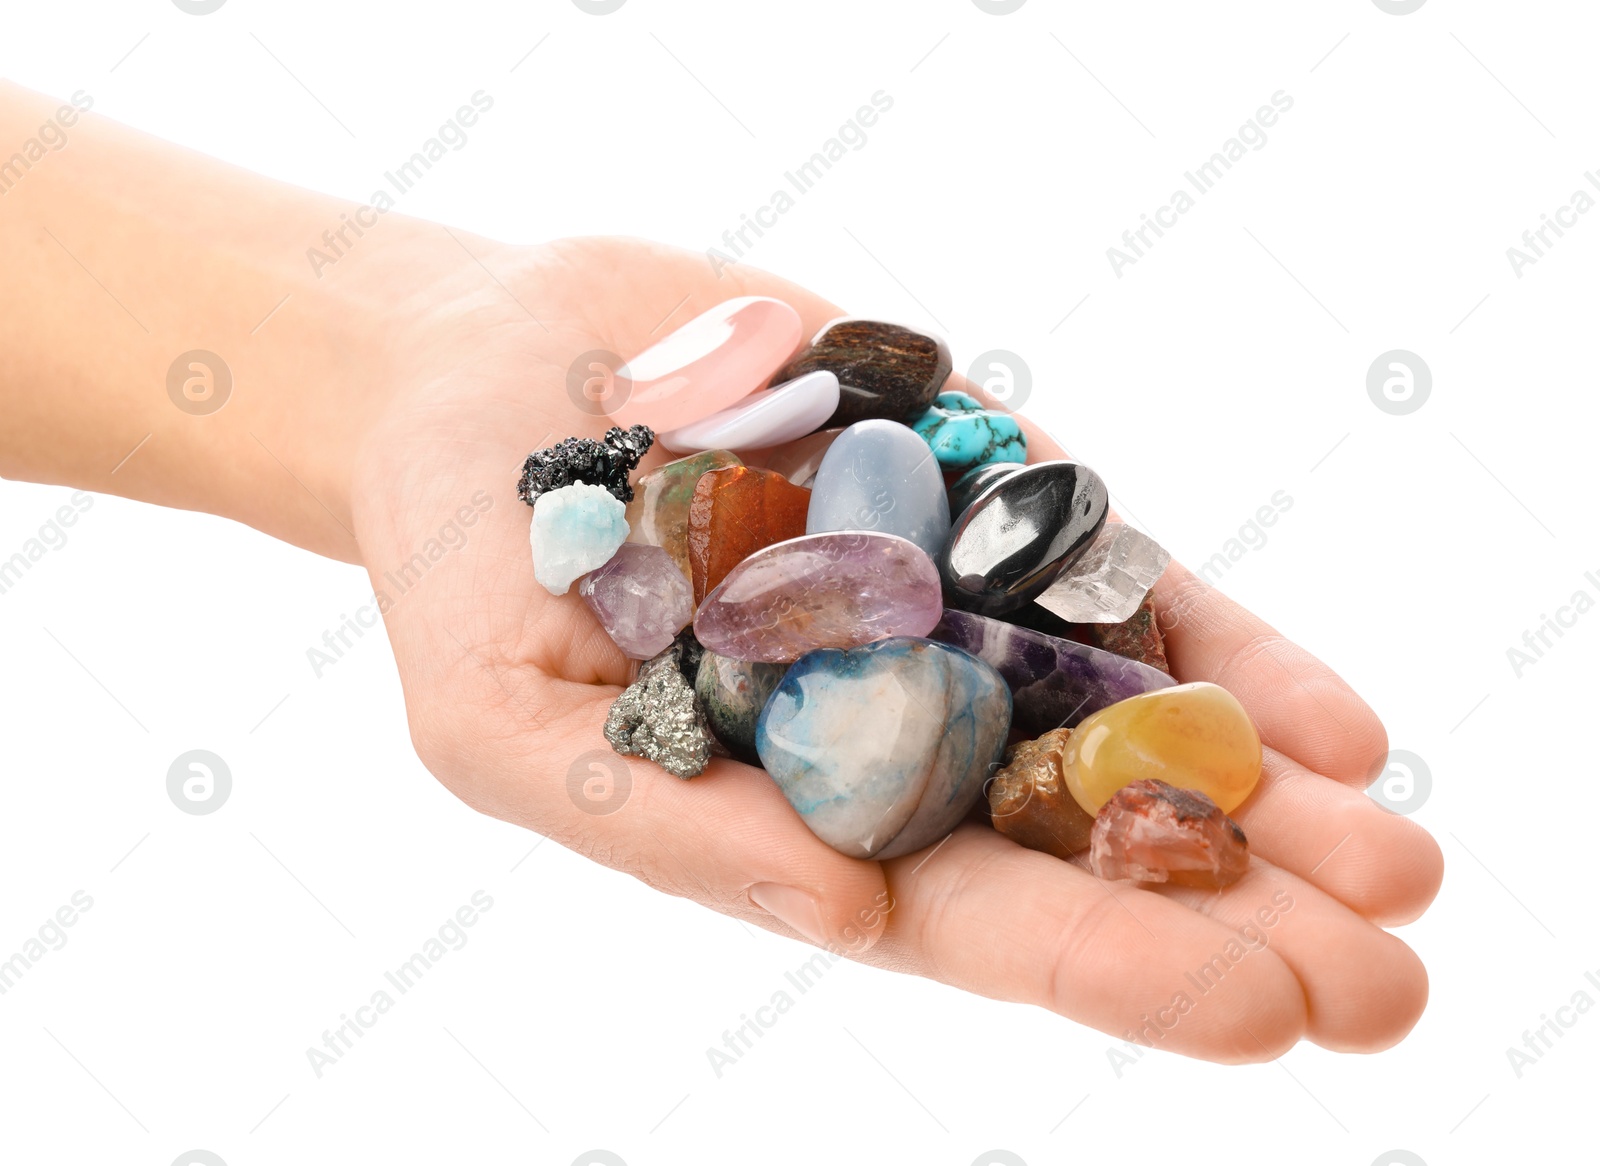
[880,476]
[963,434]
[883,749]
[575,529]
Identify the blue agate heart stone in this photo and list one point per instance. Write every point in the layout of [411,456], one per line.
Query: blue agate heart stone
[883,749]
[963,434]
[1014,538]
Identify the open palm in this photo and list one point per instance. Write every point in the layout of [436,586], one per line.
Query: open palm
[507,686]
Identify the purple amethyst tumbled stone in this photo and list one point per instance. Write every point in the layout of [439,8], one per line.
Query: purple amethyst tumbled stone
[835,590]
[1054,683]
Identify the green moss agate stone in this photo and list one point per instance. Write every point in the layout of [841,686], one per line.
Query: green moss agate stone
[659,512]
[732,693]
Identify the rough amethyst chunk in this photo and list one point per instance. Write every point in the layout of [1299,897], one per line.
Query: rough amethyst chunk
[640,598]
[1055,683]
[605,463]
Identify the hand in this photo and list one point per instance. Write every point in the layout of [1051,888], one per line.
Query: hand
[507,686]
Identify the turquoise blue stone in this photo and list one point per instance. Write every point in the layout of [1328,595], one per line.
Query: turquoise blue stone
[880,476]
[884,749]
[963,434]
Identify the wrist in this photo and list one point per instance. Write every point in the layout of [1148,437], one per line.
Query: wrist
[178,340]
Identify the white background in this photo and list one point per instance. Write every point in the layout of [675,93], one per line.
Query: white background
[1418,549]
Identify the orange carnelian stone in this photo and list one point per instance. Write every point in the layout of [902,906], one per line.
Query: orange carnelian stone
[735,512]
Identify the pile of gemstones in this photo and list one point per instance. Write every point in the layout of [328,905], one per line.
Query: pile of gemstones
[853,579]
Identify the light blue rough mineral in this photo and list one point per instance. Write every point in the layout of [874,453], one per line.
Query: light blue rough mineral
[880,476]
[883,749]
[575,529]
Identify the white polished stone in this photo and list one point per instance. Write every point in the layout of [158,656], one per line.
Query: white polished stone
[771,417]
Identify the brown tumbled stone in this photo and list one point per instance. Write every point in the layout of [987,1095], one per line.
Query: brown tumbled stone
[734,512]
[884,370]
[1029,801]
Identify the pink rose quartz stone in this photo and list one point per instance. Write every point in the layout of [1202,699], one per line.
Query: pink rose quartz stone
[835,590]
[717,358]
[1152,832]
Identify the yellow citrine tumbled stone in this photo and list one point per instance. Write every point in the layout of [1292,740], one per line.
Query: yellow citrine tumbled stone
[1192,736]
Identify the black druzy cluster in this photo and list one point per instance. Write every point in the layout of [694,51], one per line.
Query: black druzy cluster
[606,463]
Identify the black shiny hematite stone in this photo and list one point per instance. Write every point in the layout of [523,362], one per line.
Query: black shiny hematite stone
[884,370]
[1015,538]
[974,482]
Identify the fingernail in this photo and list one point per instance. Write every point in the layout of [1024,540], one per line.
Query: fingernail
[796,908]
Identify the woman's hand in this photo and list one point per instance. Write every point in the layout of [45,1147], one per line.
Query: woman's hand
[381,409]
[507,687]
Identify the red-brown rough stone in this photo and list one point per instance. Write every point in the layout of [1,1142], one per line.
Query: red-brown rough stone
[1137,638]
[1152,832]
